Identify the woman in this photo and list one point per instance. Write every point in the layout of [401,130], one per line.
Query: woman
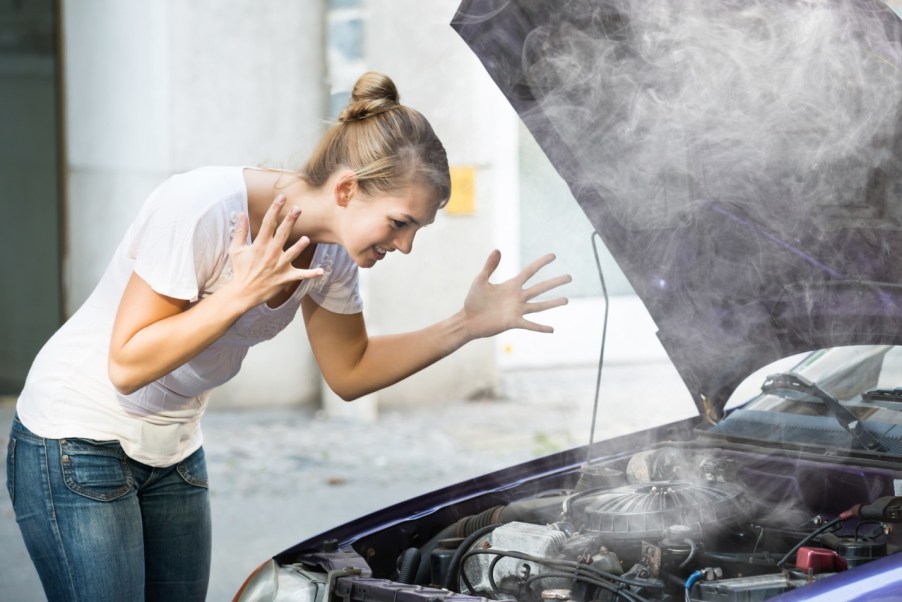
[105,464]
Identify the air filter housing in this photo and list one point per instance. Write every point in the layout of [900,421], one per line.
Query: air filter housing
[647,510]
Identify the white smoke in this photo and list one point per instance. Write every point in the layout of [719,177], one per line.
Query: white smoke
[745,102]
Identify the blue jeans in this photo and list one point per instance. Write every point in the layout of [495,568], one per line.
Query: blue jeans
[100,526]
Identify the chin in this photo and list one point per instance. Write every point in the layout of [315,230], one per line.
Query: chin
[364,262]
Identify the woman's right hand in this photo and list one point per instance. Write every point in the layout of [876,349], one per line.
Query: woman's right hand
[264,268]
[153,334]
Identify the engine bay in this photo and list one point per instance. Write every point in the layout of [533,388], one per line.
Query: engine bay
[675,522]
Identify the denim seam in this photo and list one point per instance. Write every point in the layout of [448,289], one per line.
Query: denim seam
[11,470]
[54,524]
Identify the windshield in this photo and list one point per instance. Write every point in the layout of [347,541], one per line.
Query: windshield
[840,398]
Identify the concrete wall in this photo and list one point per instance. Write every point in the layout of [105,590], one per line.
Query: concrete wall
[156,88]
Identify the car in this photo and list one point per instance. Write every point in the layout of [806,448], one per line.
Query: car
[742,161]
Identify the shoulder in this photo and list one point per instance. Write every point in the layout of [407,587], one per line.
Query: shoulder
[191,212]
[211,195]
[200,188]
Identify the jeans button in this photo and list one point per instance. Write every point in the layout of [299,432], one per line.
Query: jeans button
[63,441]
[65,457]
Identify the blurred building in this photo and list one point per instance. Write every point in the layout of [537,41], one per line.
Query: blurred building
[104,99]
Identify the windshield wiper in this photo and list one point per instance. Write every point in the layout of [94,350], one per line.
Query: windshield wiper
[790,381]
[888,395]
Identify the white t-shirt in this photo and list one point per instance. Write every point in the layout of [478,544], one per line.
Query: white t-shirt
[179,245]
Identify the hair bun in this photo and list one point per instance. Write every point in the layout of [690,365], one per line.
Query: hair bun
[374,93]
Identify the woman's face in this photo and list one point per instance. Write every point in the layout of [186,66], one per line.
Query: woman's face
[375,225]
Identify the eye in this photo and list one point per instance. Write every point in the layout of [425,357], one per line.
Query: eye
[397,224]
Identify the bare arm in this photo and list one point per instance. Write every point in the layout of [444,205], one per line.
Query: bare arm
[153,334]
[355,364]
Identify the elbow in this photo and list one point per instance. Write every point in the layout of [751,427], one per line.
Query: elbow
[124,382]
[348,395]
[347,391]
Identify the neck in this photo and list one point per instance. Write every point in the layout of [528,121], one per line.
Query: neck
[316,221]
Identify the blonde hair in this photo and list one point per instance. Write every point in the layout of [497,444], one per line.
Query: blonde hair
[387,145]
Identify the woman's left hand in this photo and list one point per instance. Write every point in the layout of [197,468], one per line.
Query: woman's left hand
[490,309]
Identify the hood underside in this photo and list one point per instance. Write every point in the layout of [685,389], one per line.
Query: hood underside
[741,161]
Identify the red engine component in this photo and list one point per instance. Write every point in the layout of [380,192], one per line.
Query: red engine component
[820,560]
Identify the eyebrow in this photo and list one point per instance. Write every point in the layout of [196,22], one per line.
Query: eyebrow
[415,221]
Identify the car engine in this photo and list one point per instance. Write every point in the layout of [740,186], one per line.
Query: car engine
[673,523]
[683,521]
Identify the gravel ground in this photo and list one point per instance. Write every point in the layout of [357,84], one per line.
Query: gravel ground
[281,475]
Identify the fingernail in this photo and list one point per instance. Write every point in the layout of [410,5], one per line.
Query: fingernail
[294,211]
[279,199]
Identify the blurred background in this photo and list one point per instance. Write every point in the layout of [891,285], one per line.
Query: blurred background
[101,100]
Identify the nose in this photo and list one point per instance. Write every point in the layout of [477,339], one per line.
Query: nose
[404,242]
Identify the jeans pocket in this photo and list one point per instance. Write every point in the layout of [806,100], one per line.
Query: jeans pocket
[193,469]
[11,469]
[97,470]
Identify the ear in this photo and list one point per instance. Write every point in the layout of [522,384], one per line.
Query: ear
[345,188]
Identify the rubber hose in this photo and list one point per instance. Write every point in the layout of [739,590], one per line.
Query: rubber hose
[462,549]
[410,563]
[474,522]
[462,528]
[693,550]
[425,569]
[538,511]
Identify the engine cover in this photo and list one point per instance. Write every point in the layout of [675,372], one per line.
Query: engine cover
[644,511]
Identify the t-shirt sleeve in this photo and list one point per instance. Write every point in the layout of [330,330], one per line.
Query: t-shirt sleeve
[172,244]
[340,292]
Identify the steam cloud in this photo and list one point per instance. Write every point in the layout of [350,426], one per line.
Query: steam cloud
[741,159]
[749,103]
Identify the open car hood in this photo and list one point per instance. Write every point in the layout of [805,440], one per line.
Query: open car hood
[742,161]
